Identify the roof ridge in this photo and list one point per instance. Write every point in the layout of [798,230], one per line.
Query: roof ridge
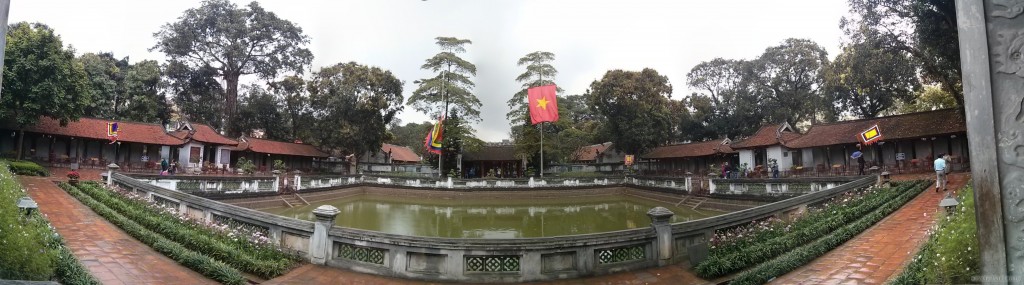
[885,117]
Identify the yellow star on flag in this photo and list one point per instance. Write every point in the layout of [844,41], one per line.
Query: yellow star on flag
[542,103]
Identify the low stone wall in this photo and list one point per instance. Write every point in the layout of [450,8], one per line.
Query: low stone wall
[483,260]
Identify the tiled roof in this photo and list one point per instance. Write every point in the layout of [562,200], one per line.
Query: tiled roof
[97,129]
[767,136]
[697,149]
[590,152]
[276,147]
[906,126]
[203,133]
[400,153]
[492,153]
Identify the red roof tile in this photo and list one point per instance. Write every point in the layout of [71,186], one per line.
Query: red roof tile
[206,134]
[906,126]
[590,152]
[691,149]
[767,136]
[97,129]
[276,147]
[400,153]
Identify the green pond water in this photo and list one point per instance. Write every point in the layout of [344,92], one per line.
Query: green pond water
[492,218]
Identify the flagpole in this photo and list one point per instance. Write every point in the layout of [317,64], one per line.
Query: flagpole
[541,74]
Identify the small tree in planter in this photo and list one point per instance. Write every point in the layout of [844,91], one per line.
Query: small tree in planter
[279,166]
[245,165]
[73,177]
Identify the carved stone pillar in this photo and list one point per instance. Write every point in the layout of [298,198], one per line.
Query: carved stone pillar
[320,242]
[660,217]
[991,45]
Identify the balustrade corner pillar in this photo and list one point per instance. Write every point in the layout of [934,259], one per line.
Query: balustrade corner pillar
[319,243]
[660,217]
[110,172]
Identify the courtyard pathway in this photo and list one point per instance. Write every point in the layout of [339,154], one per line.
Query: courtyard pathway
[881,252]
[110,254]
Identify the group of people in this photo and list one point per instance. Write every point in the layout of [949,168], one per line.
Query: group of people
[168,168]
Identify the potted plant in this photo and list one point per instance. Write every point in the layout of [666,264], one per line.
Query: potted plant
[73,177]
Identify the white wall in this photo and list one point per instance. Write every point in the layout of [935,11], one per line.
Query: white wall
[184,154]
[747,156]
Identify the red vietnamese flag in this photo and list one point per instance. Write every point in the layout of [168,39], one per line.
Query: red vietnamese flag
[543,107]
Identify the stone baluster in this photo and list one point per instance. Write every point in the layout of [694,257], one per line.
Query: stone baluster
[660,217]
[320,242]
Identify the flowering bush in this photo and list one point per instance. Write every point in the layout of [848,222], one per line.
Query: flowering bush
[73,175]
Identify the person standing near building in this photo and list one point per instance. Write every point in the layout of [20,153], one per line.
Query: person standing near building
[940,173]
[163,165]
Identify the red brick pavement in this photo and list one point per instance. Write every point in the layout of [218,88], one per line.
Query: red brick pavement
[110,254]
[879,253]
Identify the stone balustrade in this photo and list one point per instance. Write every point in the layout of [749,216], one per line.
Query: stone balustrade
[483,260]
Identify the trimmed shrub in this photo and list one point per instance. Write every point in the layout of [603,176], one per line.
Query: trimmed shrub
[28,168]
[804,254]
[234,250]
[207,266]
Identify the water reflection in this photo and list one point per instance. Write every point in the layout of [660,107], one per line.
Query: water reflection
[504,218]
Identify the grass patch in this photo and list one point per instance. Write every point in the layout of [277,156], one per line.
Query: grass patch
[952,253]
[28,168]
[30,248]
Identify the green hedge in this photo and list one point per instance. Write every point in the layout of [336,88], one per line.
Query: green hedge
[264,262]
[785,263]
[31,250]
[28,168]
[205,265]
[951,255]
[807,229]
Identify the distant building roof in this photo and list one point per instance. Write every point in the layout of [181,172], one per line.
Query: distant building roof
[276,147]
[492,153]
[590,152]
[697,149]
[94,128]
[768,135]
[906,126]
[400,153]
[202,133]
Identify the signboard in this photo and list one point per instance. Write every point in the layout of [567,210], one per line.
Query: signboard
[871,135]
[112,131]
[901,156]
[629,159]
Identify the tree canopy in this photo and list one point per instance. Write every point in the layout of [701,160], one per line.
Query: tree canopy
[124,91]
[234,41]
[636,107]
[452,82]
[196,93]
[866,79]
[355,104]
[41,78]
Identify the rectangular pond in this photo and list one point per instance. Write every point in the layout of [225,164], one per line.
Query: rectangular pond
[493,218]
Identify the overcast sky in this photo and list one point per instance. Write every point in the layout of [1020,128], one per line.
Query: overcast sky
[587,37]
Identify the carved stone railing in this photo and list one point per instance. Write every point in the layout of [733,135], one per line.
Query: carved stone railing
[482,260]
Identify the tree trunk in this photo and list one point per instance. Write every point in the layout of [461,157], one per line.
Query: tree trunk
[21,142]
[230,98]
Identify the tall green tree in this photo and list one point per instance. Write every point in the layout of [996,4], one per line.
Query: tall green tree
[234,41]
[355,104]
[539,72]
[724,103]
[451,88]
[298,113]
[867,79]
[931,97]
[925,29]
[126,91]
[635,105]
[410,135]
[260,110]
[41,78]
[787,81]
[197,95]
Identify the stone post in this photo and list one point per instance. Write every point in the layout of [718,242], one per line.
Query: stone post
[660,217]
[298,183]
[990,57]
[319,243]
[110,172]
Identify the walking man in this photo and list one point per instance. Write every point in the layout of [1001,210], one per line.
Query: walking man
[940,173]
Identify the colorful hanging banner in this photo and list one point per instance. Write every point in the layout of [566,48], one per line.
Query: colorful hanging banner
[871,135]
[112,131]
[433,139]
